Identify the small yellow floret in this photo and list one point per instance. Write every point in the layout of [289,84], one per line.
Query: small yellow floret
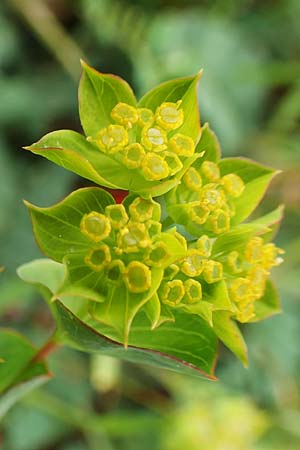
[98,258]
[212,271]
[133,155]
[233,184]
[219,221]
[153,227]
[173,162]
[239,290]
[133,237]
[146,117]
[193,291]
[95,226]
[171,271]
[254,250]
[198,212]
[154,139]
[211,196]
[234,262]
[125,114]
[169,116]
[182,145]
[157,255]
[137,277]
[172,292]
[193,264]
[204,246]
[271,256]
[141,209]
[192,179]
[112,139]
[117,215]
[211,171]
[245,313]
[154,167]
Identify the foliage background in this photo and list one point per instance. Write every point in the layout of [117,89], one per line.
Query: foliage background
[250,52]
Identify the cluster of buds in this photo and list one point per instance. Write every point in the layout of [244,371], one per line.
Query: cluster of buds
[205,198]
[147,141]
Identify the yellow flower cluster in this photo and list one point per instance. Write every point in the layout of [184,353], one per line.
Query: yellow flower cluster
[127,243]
[147,141]
[206,197]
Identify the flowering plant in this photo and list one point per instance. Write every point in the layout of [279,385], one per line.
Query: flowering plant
[163,275]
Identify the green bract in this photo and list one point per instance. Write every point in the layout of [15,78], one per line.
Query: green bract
[174,266]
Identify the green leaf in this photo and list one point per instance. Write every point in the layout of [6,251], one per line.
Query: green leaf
[19,373]
[268,305]
[229,333]
[184,89]
[152,310]
[187,346]
[72,151]
[237,237]
[98,94]
[272,221]
[217,295]
[256,178]
[208,144]
[203,309]
[57,228]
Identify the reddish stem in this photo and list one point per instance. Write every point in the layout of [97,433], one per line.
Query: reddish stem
[47,348]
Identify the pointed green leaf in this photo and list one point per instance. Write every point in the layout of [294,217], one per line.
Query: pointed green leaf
[272,221]
[217,295]
[187,345]
[57,228]
[256,178]
[18,371]
[152,310]
[268,305]
[229,333]
[98,94]
[184,89]
[72,151]
[208,144]
[203,309]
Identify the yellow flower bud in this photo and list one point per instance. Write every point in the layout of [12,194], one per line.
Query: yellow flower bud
[157,254]
[146,117]
[169,116]
[112,139]
[257,276]
[141,209]
[133,237]
[211,196]
[172,292]
[233,184]
[154,139]
[234,262]
[239,290]
[154,167]
[193,264]
[153,227]
[98,258]
[193,291]
[95,226]
[198,212]
[211,171]
[137,277]
[117,215]
[254,250]
[270,255]
[219,221]
[125,114]
[192,179]
[204,246]
[173,162]
[133,155]
[245,313]
[182,145]
[212,271]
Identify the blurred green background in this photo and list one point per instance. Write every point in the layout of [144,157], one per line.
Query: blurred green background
[249,93]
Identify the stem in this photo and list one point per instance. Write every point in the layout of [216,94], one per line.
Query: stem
[47,348]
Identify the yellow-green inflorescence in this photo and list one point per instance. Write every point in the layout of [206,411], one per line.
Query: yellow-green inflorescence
[206,198]
[127,243]
[147,140]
